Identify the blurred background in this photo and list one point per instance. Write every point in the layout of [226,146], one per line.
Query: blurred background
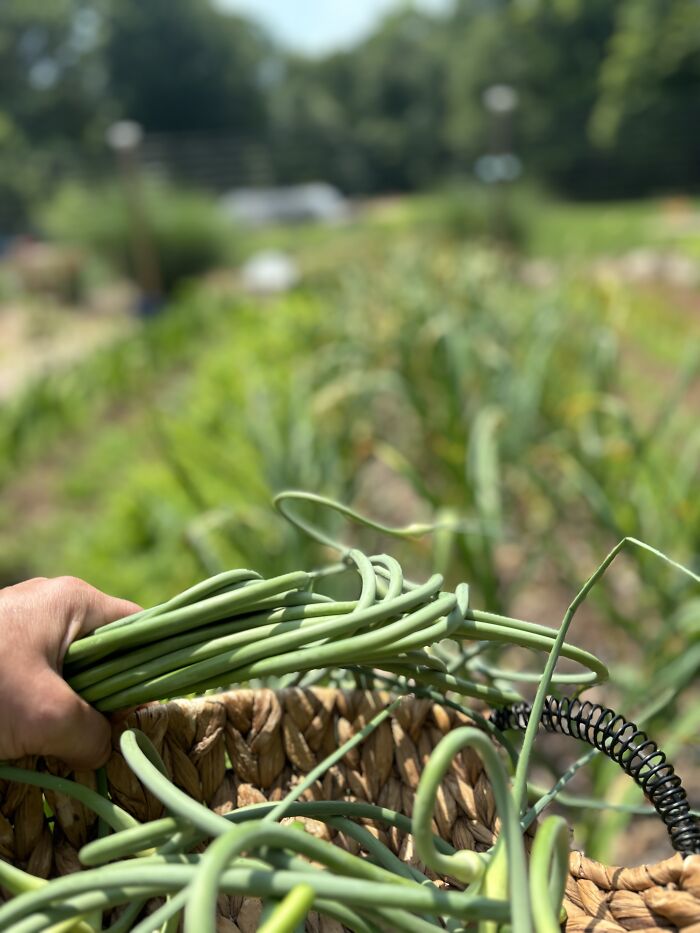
[437,260]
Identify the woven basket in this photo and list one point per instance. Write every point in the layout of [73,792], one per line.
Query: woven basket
[271,738]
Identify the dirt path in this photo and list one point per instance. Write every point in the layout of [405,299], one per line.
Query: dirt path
[34,344]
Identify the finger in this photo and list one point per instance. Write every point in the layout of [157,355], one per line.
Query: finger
[101,609]
[24,585]
[61,724]
[89,607]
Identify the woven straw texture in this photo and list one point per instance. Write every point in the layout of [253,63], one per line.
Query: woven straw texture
[250,746]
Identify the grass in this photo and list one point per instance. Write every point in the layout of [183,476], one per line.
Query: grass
[580,231]
[565,232]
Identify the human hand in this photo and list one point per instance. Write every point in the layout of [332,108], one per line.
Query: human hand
[39,713]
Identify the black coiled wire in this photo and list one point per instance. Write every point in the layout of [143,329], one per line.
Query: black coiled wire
[625,744]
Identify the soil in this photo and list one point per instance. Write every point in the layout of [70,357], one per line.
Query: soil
[37,341]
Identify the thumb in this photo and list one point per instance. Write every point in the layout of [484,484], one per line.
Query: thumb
[65,726]
[88,609]
[97,608]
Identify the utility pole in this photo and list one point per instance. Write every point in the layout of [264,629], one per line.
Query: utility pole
[125,139]
[501,166]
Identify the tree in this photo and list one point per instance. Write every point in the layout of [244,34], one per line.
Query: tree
[51,96]
[609,92]
[648,108]
[51,77]
[562,45]
[371,118]
[181,65]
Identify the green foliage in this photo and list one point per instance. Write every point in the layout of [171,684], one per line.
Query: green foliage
[493,213]
[647,98]
[417,378]
[185,65]
[51,99]
[585,77]
[20,177]
[50,67]
[440,372]
[65,404]
[187,232]
[591,97]
[607,93]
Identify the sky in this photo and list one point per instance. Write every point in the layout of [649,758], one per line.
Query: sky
[319,26]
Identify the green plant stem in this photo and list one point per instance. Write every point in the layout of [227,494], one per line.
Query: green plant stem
[286,916]
[157,832]
[549,870]
[520,782]
[160,875]
[113,815]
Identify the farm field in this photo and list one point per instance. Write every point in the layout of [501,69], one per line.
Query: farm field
[349,466]
[544,397]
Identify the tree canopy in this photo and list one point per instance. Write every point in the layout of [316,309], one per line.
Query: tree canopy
[609,93]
